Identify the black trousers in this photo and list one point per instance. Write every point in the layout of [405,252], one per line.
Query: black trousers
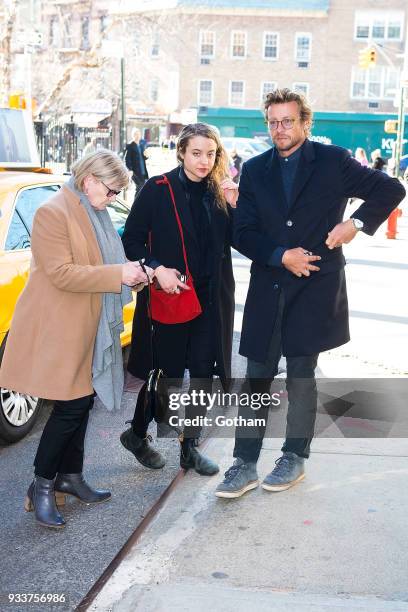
[139,181]
[302,399]
[199,348]
[61,447]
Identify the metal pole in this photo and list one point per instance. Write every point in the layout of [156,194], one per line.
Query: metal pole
[401,110]
[27,93]
[122,105]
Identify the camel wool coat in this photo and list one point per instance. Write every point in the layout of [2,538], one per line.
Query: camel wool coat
[50,344]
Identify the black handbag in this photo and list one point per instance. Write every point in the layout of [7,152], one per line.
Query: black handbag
[153,398]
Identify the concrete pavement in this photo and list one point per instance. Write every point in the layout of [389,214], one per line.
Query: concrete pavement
[335,541]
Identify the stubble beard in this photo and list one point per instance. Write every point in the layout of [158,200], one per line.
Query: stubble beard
[292,142]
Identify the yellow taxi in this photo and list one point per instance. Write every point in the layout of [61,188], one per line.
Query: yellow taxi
[21,194]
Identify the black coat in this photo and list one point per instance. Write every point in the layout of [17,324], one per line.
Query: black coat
[135,159]
[153,212]
[316,310]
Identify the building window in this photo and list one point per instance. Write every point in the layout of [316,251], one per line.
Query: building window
[237,93]
[136,89]
[205,93]
[155,48]
[378,83]
[267,87]
[54,38]
[302,88]
[394,28]
[207,44]
[303,47]
[103,23]
[67,42]
[85,33]
[271,45]
[238,44]
[154,90]
[379,25]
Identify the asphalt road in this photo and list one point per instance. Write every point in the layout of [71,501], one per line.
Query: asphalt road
[39,560]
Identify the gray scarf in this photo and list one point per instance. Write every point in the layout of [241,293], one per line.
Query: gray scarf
[107,365]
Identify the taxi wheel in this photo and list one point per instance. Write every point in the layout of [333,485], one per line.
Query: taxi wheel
[18,412]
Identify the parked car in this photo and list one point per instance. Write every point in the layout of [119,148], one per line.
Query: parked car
[21,194]
[245,147]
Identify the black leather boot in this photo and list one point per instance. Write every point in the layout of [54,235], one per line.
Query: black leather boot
[41,498]
[190,457]
[75,485]
[141,449]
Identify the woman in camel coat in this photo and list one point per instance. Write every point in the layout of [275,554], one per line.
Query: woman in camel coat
[69,319]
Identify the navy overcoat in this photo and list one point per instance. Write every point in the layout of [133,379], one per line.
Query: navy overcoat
[316,312]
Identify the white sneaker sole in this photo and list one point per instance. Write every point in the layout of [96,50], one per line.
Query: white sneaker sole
[232,494]
[282,487]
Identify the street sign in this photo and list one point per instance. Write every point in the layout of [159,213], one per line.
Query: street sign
[391,126]
[32,38]
[112,48]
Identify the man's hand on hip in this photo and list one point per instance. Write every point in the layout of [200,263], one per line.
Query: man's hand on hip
[299,261]
[342,233]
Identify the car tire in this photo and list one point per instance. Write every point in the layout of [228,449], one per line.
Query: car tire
[30,408]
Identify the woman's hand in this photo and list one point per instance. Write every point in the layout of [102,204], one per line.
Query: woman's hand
[168,280]
[230,191]
[132,274]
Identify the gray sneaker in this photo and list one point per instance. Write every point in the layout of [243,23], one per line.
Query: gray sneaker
[239,478]
[289,470]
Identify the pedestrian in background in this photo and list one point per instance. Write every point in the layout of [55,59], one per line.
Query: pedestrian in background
[380,164]
[236,163]
[69,319]
[135,159]
[289,222]
[203,196]
[361,157]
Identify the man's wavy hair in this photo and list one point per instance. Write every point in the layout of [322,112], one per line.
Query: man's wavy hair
[220,170]
[282,96]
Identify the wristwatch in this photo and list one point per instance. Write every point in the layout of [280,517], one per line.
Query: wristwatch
[357,223]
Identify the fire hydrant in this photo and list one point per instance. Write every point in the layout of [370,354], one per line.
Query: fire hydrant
[392,223]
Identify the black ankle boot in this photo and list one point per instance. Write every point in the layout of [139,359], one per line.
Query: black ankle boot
[190,457]
[41,498]
[75,485]
[141,449]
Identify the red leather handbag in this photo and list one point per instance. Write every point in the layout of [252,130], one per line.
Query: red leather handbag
[180,307]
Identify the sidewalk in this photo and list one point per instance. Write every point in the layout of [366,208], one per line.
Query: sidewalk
[335,541]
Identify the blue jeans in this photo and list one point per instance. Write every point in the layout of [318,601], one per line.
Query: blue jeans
[302,398]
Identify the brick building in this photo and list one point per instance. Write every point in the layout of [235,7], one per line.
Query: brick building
[218,54]
[232,51]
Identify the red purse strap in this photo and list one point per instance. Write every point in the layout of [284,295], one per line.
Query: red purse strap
[165,181]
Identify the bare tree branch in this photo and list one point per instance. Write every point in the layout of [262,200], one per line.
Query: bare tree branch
[83,59]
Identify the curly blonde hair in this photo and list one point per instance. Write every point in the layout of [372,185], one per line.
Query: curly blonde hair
[220,170]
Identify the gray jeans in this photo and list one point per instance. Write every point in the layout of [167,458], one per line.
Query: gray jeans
[302,398]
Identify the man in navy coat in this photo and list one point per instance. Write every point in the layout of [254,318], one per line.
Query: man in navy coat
[289,222]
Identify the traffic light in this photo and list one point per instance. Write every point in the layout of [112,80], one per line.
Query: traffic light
[367,58]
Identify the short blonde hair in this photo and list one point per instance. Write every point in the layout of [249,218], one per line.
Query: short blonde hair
[104,165]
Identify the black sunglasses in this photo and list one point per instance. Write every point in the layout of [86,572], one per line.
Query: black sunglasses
[111,192]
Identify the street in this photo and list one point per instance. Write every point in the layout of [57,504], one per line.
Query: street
[212,549]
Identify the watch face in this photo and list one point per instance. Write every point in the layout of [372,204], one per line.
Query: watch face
[358,224]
